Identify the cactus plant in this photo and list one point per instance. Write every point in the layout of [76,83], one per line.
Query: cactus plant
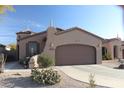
[92,81]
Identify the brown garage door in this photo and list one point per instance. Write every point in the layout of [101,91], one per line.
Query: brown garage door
[75,55]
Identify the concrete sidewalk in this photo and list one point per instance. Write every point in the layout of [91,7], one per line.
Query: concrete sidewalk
[13,65]
[104,76]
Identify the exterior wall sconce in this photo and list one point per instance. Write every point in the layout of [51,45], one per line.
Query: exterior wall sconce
[52,46]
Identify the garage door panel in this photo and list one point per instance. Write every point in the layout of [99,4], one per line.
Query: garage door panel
[75,55]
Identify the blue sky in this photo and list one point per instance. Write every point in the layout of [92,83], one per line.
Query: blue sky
[105,21]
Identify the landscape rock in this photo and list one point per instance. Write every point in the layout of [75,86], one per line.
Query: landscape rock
[33,62]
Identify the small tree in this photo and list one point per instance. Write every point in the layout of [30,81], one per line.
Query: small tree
[12,46]
[4,8]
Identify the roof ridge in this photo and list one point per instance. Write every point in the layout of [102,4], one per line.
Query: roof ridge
[72,28]
[33,35]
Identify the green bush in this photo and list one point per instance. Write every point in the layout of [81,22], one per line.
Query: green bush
[107,56]
[45,76]
[45,61]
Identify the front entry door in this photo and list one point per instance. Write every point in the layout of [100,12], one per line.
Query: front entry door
[32,48]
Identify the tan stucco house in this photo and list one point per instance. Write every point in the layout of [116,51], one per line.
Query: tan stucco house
[74,46]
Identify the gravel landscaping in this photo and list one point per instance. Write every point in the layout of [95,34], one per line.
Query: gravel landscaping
[15,76]
[111,64]
[23,80]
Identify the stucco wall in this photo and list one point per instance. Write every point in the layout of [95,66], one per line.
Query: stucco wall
[22,44]
[72,37]
[122,47]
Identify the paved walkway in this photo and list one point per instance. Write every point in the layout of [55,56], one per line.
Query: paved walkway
[15,67]
[104,76]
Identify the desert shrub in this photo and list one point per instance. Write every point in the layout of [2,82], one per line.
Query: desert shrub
[45,60]
[24,61]
[45,76]
[106,56]
[92,81]
[12,47]
[103,57]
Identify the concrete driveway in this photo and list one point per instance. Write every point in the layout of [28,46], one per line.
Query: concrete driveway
[104,76]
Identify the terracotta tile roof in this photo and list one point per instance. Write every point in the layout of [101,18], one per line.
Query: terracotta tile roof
[35,34]
[109,40]
[26,31]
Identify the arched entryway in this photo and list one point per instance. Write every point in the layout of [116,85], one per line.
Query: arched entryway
[32,48]
[104,51]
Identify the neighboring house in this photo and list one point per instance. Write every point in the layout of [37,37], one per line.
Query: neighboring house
[74,46]
[113,47]
[11,55]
